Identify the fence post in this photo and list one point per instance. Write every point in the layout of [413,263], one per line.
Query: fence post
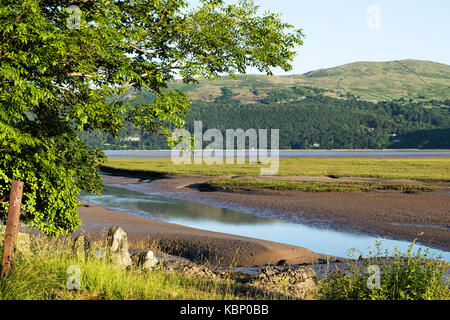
[12,226]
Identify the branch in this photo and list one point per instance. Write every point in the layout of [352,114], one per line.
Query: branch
[79,74]
[142,50]
[62,88]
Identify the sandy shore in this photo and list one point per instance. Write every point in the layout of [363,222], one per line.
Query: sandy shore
[219,249]
[399,216]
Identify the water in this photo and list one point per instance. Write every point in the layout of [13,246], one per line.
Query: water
[206,217]
[299,154]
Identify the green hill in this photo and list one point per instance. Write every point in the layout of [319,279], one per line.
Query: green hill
[399,104]
[372,81]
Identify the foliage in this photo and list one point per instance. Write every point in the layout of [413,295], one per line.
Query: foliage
[306,118]
[58,78]
[414,275]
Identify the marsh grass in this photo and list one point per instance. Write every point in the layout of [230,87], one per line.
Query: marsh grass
[423,169]
[42,275]
[413,275]
[317,186]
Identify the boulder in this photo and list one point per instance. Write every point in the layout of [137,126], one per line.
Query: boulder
[292,282]
[117,247]
[23,241]
[144,260]
[80,248]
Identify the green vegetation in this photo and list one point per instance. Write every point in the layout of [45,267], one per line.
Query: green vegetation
[404,276]
[43,276]
[307,118]
[63,72]
[424,169]
[371,81]
[316,186]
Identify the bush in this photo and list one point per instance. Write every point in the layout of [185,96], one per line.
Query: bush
[414,275]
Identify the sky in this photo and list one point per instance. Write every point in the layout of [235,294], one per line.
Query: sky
[344,31]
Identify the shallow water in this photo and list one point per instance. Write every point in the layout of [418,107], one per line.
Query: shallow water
[212,218]
[299,153]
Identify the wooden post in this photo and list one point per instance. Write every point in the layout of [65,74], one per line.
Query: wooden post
[12,226]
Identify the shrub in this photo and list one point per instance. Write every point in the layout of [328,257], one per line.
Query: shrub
[414,275]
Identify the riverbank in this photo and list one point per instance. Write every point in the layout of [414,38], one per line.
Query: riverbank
[50,269]
[387,214]
[217,249]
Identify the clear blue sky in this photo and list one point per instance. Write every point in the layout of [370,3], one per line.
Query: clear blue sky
[343,31]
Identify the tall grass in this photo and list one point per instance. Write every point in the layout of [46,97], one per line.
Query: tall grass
[42,275]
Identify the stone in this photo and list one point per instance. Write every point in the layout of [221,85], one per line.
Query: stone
[144,260]
[117,247]
[80,248]
[293,282]
[189,269]
[23,241]
[282,262]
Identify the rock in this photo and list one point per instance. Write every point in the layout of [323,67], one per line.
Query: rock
[189,269]
[23,241]
[282,262]
[144,260]
[80,248]
[117,247]
[292,282]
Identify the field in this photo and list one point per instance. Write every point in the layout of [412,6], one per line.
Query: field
[422,169]
[316,186]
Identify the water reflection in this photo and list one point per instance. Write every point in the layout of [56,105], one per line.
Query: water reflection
[206,217]
[170,210]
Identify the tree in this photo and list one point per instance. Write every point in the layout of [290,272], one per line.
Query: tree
[67,69]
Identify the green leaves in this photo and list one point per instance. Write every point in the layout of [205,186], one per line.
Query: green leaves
[56,80]
[413,275]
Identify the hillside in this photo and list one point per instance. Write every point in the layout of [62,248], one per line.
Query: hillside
[372,81]
[403,104]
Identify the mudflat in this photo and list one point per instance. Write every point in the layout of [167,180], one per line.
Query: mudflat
[218,249]
[400,216]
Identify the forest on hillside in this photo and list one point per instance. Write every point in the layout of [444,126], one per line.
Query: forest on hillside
[308,119]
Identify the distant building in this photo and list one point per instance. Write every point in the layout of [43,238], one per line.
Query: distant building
[133,139]
[316,145]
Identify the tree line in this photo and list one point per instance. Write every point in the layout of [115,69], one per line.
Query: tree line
[308,119]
